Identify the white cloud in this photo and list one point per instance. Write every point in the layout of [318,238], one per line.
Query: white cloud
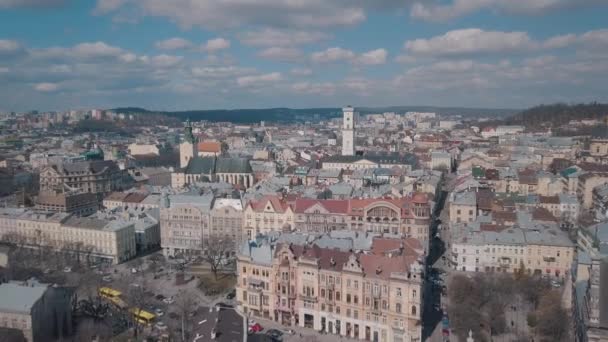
[163,61]
[539,61]
[457,8]
[246,13]
[333,54]
[174,43]
[255,80]
[275,37]
[598,38]
[9,47]
[128,57]
[338,54]
[220,72]
[559,41]
[46,87]
[217,44]
[285,54]
[316,88]
[470,41]
[96,49]
[301,71]
[373,57]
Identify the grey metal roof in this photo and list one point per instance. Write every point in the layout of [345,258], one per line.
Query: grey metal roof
[19,298]
[379,158]
[232,165]
[200,165]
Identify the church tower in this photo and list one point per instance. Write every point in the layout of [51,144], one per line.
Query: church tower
[348,131]
[187,149]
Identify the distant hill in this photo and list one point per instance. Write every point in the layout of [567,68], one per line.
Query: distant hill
[309,114]
[559,114]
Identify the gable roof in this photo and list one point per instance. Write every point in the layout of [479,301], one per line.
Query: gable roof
[209,146]
[333,206]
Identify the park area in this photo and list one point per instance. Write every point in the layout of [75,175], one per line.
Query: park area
[147,298]
[506,307]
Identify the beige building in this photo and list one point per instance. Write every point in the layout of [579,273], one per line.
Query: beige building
[267,214]
[462,207]
[98,177]
[72,202]
[492,249]
[226,220]
[184,223]
[598,147]
[138,149]
[373,296]
[42,312]
[110,241]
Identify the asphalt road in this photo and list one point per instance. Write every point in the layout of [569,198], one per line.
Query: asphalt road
[431,316]
[229,326]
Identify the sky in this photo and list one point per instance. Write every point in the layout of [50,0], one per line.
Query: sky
[212,54]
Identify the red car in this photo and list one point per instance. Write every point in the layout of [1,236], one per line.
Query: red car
[255,328]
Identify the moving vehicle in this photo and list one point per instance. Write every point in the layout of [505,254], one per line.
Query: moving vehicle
[113,296]
[142,316]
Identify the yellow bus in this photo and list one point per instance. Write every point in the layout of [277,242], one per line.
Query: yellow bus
[113,296]
[107,292]
[142,316]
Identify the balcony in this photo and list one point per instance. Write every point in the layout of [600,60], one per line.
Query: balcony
[281,307]
[308,298]
[549,259]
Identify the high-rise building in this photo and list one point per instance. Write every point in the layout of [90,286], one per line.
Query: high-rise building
[348,131]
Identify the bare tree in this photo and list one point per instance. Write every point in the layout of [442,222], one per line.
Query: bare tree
[217,253]
[138,301]
[185,304]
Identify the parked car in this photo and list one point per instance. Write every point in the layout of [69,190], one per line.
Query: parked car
[231,294]
[160,297]
[255,328]
[67,269]
[107,279]
[169,300]
[158,312]
[160,326]
[276,335]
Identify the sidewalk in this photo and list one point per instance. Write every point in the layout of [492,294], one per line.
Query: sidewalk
[301,334]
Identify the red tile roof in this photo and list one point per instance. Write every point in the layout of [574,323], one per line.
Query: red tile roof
[279,205]
[333,206]
[209,146]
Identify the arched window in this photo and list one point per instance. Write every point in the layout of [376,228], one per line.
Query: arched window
[398,307]
[413,309]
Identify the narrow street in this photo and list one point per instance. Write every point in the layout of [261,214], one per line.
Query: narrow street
[431,316]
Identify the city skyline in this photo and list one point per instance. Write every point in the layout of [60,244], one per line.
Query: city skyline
[56,55]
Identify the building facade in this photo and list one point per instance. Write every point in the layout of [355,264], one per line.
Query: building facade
[270,213]
[373,296]
[97,177]
[96,240]
[184,224]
